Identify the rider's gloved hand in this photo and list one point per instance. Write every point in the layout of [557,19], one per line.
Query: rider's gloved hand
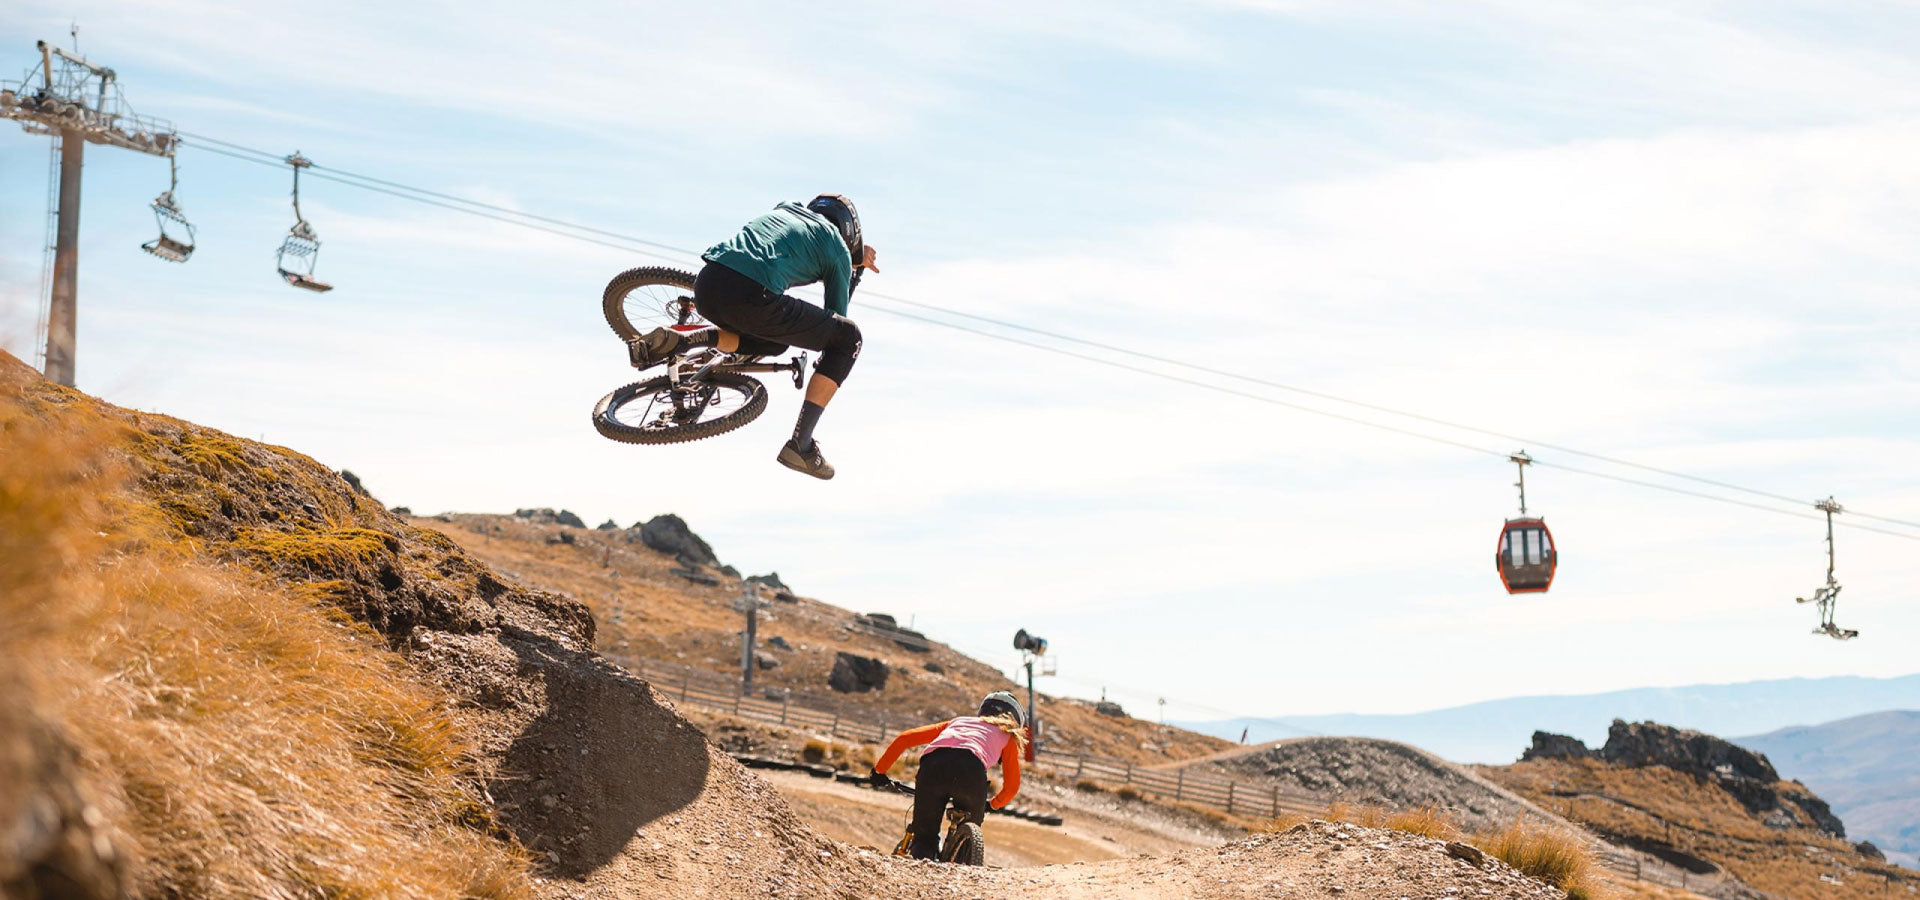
[878,778]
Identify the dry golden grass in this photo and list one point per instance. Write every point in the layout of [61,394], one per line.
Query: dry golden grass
[1552,855]
[256,744]
[1425,821]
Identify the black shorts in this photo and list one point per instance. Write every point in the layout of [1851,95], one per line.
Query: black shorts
[741,305]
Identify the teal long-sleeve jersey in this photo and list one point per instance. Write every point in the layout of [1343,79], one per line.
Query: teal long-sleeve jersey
[788,247]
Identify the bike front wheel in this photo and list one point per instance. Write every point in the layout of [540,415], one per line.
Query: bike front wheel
[965,845]
[639,300]
[656,411]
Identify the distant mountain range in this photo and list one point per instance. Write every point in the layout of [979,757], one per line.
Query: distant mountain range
[1495,731]
[1867,767]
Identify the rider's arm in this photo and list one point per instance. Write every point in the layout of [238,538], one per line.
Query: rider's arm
[1009,774]
[838,280]
[912,737]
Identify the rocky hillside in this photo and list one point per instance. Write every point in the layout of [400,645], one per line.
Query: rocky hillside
[1703,803]
[660,592]
[1369,771]
[229,673]
[1866,767]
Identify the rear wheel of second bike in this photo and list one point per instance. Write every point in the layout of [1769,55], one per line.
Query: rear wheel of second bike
[656,411]
[965,845]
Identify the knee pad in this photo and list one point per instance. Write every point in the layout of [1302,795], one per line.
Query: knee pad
[843,348]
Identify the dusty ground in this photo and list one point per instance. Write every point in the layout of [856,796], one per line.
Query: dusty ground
[873,819]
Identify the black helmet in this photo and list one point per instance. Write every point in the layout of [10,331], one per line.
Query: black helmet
[1002,702]
[839,210]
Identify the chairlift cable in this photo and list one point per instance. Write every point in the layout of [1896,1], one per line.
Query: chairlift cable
[626,243]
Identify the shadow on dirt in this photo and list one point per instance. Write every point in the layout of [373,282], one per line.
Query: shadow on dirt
[601,761]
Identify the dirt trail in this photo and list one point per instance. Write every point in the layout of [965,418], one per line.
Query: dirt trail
[864,817]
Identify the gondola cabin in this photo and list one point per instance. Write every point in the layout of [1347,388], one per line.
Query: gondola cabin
[1526,557]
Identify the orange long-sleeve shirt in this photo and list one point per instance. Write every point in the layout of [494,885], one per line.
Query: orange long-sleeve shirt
[915,737]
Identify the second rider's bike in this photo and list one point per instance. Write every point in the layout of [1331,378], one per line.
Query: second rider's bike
[964,844]
[703,392]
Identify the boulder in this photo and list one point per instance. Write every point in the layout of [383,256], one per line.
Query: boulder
[353,481]
[771,579]
[401,511]
[1109,708]
[779,642]
[934,667]
[764,660]
[566,517]
[669,534]
[1653,744]
[1547,745]
[1868,850]
[608,525]
[857,674]
[562,537]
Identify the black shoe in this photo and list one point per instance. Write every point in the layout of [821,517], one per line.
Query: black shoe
[809,461]
[654,347]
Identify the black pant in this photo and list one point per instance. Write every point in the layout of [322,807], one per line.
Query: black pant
[946,774]
[768,322]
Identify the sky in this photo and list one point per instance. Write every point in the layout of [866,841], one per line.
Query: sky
[1675,233]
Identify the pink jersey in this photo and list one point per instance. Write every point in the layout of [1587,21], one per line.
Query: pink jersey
[984,738]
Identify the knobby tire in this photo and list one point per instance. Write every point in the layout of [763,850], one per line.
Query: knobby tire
[609,427]
[613,301]
[970,848]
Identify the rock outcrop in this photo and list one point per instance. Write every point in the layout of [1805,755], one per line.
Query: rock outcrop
[857,674]
[1547,745]
[1742,773]
[669,534]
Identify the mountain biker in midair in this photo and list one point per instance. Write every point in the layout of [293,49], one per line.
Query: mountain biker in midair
[954,767]
[742,291]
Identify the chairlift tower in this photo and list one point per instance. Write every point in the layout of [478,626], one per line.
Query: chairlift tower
[75,102]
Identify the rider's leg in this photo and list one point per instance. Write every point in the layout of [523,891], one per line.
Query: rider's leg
[840,349]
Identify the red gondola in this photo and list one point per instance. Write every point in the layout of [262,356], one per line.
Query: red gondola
[1526,557]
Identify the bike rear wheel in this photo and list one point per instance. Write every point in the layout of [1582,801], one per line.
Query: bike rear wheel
[965,845]
[657,412]
[639,300]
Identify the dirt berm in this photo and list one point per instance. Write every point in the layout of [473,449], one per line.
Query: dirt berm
[609,790]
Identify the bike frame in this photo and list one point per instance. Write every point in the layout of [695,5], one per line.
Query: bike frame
[695,369]
[949,844]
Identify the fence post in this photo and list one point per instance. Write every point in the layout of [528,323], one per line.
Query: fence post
[1082,767]
[1230,786]
[1179,784]
[784,696]
[736,701]
[1276,802]
[686,680]
[883,729]
[1129,774]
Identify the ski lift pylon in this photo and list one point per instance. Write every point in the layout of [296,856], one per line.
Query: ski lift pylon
[175,243]
[301,250]
[1526,557]
[1828,593]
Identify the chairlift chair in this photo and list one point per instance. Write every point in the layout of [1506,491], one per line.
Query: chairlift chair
[1526,557]
[175,243]
[301,249]
[1828,594]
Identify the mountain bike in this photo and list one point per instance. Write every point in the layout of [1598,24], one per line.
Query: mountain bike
[703,393]
[964,844]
